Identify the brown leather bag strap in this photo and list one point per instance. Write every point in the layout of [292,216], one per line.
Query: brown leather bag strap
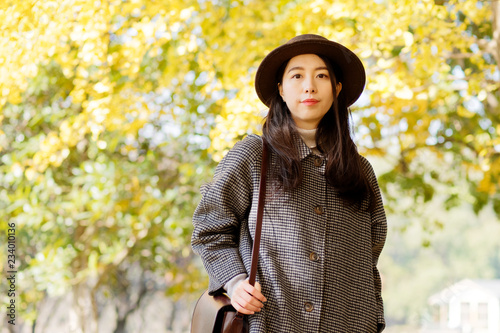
[260,212]
[239,322]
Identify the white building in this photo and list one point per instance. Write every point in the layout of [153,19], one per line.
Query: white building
[469,306]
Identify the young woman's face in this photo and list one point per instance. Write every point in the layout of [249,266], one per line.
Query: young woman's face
[306,88]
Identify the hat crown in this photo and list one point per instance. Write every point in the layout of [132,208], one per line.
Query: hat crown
[306,37]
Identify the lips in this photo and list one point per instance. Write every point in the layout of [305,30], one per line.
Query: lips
[310,101]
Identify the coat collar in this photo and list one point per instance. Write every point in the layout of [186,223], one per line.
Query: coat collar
[304,150]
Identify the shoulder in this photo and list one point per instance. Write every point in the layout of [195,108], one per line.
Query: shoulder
[243,156]
[367,167]
[247,150]
[238,164]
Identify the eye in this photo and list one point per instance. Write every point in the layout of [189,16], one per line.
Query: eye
[323,76]
[296,76]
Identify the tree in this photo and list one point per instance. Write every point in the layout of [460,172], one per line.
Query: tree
[432,88]
[114,112]
[101,151]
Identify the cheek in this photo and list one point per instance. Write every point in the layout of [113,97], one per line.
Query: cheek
[283,89]
[288,91]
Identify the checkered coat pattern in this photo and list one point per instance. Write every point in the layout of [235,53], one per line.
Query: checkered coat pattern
[318,256]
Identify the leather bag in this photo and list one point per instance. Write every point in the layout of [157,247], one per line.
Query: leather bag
[215,314]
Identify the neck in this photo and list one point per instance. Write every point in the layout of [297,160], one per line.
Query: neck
[308,136]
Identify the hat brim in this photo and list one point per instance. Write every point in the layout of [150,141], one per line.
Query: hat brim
[353,72]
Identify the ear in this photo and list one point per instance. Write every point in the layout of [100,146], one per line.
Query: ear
[280,88]
[339,88]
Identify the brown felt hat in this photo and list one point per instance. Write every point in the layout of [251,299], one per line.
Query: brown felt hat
[352,74]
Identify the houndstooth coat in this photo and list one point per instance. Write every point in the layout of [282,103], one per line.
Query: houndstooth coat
[318,256]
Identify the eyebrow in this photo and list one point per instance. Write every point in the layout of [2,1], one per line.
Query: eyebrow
[302,68]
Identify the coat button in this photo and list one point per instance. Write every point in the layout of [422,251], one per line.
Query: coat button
[313,256]
[308,306]
[318,161]
[319,210]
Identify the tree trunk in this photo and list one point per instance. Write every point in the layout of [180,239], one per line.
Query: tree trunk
[83,311]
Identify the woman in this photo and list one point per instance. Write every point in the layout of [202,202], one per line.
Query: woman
[324,224]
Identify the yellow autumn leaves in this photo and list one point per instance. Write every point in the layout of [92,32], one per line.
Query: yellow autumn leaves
[424,60]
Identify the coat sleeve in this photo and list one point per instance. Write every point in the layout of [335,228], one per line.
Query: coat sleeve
[218,218]
[379,234]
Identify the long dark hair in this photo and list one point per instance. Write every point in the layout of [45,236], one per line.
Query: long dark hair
[344,170]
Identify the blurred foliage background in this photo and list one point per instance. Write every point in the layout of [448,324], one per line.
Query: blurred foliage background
[114,112]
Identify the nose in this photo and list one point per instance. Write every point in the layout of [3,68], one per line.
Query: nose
[309,86]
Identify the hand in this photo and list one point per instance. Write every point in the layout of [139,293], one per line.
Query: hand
[247,299]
